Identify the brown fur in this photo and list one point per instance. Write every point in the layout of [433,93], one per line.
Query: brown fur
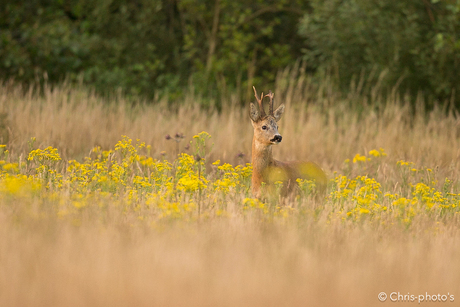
[268,170]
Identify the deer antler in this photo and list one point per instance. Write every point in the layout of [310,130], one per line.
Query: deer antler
[259,101]
[270,106]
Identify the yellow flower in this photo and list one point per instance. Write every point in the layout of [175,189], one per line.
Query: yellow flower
[374,153]
[359,158]
[47,154]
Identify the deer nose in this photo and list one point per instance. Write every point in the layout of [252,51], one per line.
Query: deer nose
[277,138]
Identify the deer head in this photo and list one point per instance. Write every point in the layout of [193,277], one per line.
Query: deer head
[265,126]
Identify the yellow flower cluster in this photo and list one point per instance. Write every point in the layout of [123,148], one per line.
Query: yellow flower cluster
[374,152]
[128,180]
[361,195]
[231,178]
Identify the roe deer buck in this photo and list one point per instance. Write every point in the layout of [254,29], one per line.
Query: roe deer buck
[265,168]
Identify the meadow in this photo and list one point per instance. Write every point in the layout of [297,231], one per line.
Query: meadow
[110,202]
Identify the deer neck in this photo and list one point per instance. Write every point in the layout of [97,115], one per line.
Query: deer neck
[262,157]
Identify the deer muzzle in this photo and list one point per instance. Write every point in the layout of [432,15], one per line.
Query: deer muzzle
[276,139]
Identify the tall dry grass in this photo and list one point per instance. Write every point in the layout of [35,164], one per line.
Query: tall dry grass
[242,260]
[224,263]
[318,125]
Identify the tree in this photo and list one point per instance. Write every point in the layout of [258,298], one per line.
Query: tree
[415,42]
[150,47]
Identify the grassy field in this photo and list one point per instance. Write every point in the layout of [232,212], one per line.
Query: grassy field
[99,208]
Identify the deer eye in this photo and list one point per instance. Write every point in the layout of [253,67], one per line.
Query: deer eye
[264,127]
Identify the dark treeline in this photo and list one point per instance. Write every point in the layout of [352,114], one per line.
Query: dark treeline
[151,48]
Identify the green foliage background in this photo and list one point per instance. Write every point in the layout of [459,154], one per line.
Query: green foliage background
[412,44]
[151,48]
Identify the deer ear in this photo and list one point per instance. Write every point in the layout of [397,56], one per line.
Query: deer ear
[278,112]
[253,112]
